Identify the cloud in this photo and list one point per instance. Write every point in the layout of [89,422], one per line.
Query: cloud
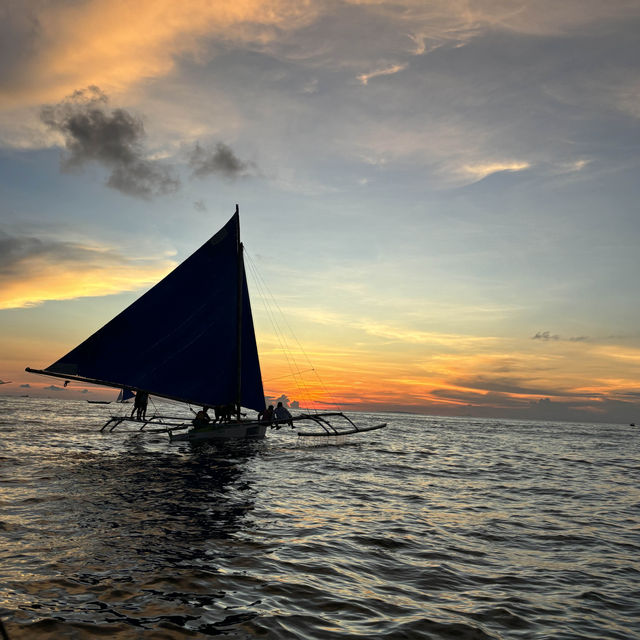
[517,386]
[53,387]
[25,386]
[284,399]
[386,71]
[55,47]
[219,160]
[34,269]
[48,47]
[546,336]
[482,170]
[113,139]
[5,381]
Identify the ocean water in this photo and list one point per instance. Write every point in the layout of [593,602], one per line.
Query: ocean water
[431,528]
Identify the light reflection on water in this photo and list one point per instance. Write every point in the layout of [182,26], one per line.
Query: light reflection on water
[434,528]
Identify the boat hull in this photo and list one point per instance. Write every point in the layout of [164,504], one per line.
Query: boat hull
[221,432]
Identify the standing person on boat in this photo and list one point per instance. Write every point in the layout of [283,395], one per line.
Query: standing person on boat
[282,415]
[140,405]
[266,416]
[202,418]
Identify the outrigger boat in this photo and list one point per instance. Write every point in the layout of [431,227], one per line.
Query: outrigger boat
[190,339]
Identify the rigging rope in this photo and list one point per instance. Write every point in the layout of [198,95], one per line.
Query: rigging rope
[269,302]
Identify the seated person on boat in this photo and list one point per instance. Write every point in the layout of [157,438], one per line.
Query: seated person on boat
[266,416]
[282,415]
[202,418]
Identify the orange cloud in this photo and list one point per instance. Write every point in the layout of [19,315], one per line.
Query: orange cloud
[63,284]
[436,373]
[116,43]
[62,271]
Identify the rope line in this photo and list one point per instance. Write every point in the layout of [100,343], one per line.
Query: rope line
[270,303]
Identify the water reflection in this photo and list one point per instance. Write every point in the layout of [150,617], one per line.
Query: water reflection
[436,528]
[136,539]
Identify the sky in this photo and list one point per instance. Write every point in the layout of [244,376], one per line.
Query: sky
[441,196]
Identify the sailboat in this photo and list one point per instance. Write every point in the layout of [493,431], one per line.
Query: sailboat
[189,339]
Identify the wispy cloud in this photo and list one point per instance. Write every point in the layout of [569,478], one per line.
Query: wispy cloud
[385,71]
[482,170]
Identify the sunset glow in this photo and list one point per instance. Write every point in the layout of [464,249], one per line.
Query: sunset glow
[440,197]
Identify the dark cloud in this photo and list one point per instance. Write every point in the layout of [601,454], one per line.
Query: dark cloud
[589,408]
[5,381]
[25,386]
[16,252]
[53,387]
[114,139]
[219,160]
[546,335]
[284,399]
[515,385]
[20,32]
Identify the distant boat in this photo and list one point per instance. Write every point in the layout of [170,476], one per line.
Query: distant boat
[99,401]
[190,339]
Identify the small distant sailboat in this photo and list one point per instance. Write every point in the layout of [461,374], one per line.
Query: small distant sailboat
[189,339]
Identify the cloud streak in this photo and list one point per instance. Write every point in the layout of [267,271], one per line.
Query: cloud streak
[386,71]
[547,336]
[33,270]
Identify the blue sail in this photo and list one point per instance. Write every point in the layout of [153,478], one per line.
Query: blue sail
[180,339]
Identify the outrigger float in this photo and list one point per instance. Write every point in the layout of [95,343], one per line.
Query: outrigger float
[191,339]
[246,429]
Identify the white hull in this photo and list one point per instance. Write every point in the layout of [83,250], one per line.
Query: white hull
[220,432]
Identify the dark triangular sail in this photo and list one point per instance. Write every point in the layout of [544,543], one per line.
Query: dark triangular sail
[179,340]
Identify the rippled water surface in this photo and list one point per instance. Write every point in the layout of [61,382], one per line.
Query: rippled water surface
[432,528]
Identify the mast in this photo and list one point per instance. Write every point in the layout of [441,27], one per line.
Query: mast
[239,320]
